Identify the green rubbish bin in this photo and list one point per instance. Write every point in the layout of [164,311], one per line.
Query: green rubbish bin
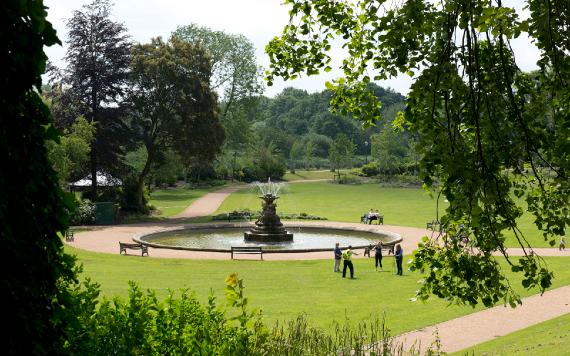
[104,213]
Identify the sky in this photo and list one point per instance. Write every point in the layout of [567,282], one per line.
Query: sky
[258,20]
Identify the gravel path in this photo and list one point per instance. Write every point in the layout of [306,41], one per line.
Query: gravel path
[455,334]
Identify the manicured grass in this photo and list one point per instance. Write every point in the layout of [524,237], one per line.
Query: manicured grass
[345,202]
[284,289]
[551,337]
[172,201]
[302,175]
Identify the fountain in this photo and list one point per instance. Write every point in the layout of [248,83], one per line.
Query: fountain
[268,227]
[268,233]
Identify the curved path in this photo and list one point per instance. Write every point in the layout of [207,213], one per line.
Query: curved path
[454,334]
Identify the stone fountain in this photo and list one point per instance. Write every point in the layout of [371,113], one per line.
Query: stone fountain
[268,228]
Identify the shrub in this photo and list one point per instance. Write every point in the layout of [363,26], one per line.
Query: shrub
[142,325]
[84,214]
[129,197]
[371,169]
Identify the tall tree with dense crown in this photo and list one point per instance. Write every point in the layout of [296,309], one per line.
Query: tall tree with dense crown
[482,131]
[235,73]
[98,61]
[173,106]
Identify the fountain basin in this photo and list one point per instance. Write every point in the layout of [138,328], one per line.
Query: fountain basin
[221,238]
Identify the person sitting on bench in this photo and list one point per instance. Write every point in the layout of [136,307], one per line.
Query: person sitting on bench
[368,215]
[373,216]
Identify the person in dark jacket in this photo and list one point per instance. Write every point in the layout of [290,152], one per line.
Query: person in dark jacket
[378,255]
[399,256]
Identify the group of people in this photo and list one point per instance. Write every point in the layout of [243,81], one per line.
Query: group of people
[346,257]
[371,215]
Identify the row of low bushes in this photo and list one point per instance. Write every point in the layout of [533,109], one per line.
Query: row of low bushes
[143,325]
[255,215]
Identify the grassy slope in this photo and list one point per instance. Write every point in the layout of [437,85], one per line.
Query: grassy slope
[174,200]
[400,206]
[551,337]
[283,289]
[301,175]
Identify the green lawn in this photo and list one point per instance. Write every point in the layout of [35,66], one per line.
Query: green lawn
[172,201]
[551,337]
[283,289]
[345,202]
[302,175]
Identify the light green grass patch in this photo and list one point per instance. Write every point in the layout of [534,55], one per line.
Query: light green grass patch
[551,337]
[342,202]
[302,175]
[172,201]
[345,202]
[284,289]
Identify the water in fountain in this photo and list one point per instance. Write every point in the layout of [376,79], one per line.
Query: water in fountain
[268,228]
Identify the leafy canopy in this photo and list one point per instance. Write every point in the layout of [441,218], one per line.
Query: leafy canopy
[485,129]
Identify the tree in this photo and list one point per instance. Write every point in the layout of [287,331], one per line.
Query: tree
[341,152]
[295,154]
[173,106]
[70,156]
[95,79]
[475,115]
[235,73]
[36,274]
[389,149]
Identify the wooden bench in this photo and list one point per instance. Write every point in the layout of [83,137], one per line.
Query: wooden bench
[247,250]
[133,246]
[239,215]
[69,236]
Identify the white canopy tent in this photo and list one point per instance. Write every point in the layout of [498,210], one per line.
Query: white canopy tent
[103,180]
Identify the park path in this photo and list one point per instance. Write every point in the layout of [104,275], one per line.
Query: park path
[455,334]
[208,203]
[470,330]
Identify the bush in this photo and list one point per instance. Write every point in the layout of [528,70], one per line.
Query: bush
[369,170]
[301,216]
[84,214]
[129,197]
[183,326]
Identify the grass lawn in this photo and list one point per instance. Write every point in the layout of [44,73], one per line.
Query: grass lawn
[551,337]
[343,202]
[337,202]
[284,289]
[172,201]
[301,175]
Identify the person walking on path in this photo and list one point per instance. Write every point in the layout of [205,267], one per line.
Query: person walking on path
[337,257]
[378,255]
[399,256]
[347,258]
[562,246]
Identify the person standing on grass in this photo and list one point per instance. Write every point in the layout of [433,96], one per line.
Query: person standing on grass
[337,257]
[399,256]
[378,255]
[347,258]
[562,246]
